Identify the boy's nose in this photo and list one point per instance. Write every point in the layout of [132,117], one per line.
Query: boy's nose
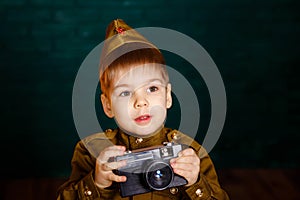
[140,102]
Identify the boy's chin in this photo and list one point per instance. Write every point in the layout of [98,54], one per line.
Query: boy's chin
[144,133]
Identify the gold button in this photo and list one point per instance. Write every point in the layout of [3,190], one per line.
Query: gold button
[108,130]
[87,192]
[138,140]
[174,136]
[173,190]
[199,193]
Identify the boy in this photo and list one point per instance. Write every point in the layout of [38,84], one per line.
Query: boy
[136,92]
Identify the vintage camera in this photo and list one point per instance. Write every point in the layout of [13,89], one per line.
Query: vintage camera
[149,169]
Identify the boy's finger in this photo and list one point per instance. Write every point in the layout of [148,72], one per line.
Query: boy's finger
[110,152]
[186,152]
[113,165]
[186,159]
[116,178]
[181,172]
[116,147]
[184,166]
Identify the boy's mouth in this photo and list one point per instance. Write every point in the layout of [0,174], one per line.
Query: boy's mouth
[142,119]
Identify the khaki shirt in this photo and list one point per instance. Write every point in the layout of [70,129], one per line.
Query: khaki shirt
[81,182]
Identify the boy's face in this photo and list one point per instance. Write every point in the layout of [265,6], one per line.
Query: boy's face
[139,100]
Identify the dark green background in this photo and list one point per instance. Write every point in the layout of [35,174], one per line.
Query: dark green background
[255,45]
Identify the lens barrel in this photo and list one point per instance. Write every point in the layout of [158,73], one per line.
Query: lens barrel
[159,175]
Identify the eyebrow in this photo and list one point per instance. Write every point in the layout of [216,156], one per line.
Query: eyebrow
[120,86]
[154,80]
[144,83]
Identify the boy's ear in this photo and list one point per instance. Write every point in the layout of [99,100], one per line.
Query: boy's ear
[106,106]
[169,96]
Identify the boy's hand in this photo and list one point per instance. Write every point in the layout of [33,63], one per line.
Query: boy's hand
[187,164]
[104,175]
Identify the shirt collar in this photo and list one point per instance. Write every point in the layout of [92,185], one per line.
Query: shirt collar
[133,142]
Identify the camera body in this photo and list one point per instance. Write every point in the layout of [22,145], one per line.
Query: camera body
[149,169]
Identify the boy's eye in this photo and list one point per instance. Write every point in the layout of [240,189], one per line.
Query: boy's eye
[152,89]
[124,94]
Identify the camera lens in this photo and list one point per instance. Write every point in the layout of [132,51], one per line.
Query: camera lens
[159,175]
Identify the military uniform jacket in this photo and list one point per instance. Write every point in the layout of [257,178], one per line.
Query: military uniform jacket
[81,182]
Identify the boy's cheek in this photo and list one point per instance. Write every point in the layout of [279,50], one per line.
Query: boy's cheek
[120,105]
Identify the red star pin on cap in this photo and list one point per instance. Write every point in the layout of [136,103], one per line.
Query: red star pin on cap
[120,30]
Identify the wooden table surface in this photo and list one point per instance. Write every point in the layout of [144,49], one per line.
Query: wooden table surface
[241,184]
